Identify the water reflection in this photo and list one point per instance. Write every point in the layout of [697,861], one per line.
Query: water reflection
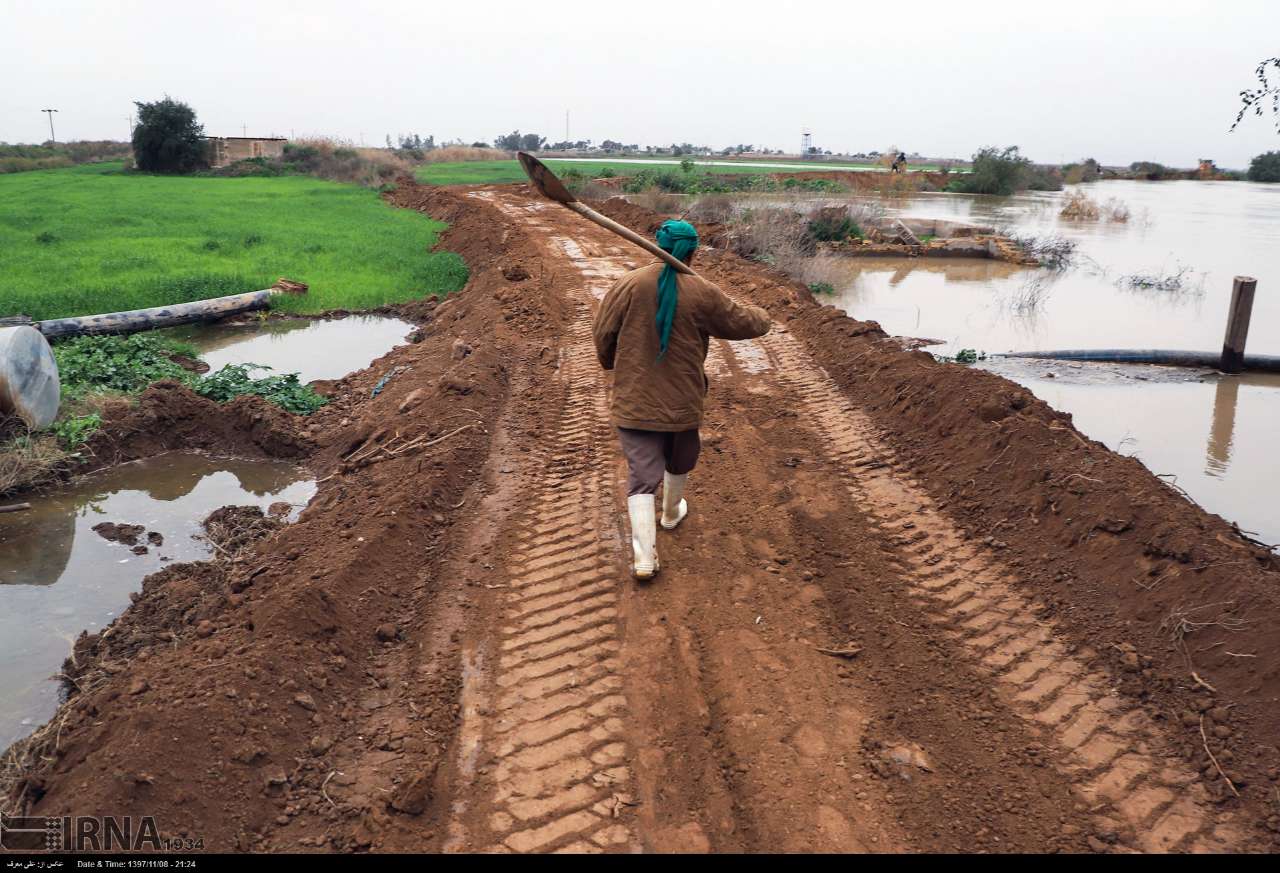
[1214,433]
[58,576]
[1223,429]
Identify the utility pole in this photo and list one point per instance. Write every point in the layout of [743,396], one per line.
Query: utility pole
[244,130]
[50,112]
[566,125]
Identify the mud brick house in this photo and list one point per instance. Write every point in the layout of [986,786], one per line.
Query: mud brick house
[225,150]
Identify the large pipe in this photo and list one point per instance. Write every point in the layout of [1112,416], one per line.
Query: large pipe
[29,386]
[1169,357]
[161,316]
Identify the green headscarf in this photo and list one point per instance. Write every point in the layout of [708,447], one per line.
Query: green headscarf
[679,238]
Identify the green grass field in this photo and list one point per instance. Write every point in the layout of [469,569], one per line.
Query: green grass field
[94,239]
[503,172]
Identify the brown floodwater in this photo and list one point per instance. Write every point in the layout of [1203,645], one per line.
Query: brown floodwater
[312,348]
[58,577]
[1214,435]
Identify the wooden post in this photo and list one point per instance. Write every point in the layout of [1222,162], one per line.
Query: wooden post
[1238,324]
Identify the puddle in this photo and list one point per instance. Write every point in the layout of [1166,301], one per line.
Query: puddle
[59,577]
[1214,433]
[314,349]
[1216,230]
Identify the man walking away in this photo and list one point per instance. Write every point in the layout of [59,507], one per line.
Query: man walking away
[653,330]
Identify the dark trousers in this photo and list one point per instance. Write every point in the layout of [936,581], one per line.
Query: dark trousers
[650,452]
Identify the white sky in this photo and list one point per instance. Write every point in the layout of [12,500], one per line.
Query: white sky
[1119,80]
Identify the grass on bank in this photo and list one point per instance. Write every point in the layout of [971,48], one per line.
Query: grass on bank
[94,238]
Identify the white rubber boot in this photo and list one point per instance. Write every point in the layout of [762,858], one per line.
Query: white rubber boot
[644,533]
[674,507]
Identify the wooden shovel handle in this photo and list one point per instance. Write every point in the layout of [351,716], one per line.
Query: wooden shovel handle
[628,234]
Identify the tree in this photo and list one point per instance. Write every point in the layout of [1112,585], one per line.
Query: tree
[167,138]
[1256,98]
[517,142]
[1265,167]
[995,171]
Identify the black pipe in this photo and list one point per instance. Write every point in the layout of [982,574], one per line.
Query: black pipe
[1170,357]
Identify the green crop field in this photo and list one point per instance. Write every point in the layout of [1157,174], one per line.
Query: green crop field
[502,172]
[95,239]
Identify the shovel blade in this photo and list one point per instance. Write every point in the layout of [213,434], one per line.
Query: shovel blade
[544,180]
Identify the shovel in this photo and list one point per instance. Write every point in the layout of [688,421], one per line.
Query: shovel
[553,189]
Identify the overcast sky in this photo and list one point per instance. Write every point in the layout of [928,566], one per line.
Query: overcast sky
[1119,81]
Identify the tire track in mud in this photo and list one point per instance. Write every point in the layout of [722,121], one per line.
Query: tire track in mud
[548,714]
[1111,749]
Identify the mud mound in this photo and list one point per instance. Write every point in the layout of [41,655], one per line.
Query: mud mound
[232,529]
[169,416]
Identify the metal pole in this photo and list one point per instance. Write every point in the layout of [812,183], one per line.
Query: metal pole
[52,137]
[1238,324]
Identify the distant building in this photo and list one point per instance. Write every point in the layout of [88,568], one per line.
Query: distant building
[1207,169]
[225,150]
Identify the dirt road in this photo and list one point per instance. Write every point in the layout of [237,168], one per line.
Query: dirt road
[855,643]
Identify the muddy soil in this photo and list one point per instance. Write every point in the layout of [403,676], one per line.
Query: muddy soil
[912,609]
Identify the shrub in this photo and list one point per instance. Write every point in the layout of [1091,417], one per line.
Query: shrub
[711,209]
[995,171]
[1080,207]
[833,224]
[1265,168]
[329,159]
[167,138]
[284,391]
[1149,169]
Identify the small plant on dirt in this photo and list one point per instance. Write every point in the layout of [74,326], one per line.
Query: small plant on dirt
[285,391]
[75,431]
[822,288]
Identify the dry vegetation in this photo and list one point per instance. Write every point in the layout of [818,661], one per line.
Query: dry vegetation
[27,459]
[450,154]
[1079,206]
[339,160]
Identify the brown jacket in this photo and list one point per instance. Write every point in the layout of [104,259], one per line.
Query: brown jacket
[665,395]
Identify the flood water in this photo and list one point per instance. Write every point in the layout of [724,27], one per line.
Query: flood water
[1213,433]
[59,577]
[312,348]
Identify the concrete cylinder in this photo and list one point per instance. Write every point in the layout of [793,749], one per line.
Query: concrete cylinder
[29,385]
